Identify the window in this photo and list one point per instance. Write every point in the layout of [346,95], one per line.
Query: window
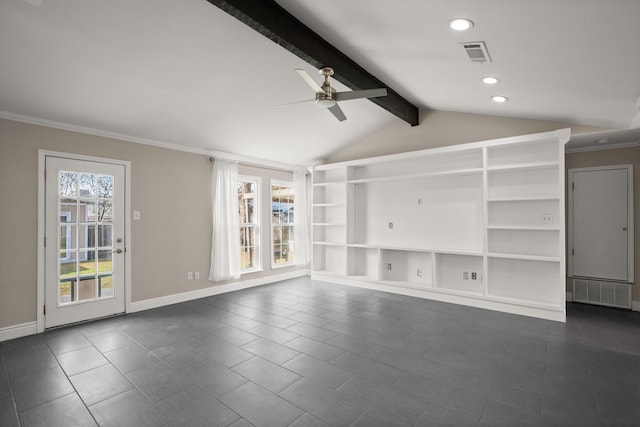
[282,216]
[248,204]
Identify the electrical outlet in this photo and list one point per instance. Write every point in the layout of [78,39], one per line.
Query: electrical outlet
[465,275]
[196,275]
[189,275]
[474,275]
[388,266]
[419,200]
[419,272]
[390,226]
[546,218]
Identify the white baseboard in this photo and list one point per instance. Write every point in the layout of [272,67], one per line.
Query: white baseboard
[213,290]
[554,314]
[17,331]
[635,305]
[569,296]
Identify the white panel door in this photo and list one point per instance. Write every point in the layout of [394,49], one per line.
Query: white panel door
[84,231]
[600,223]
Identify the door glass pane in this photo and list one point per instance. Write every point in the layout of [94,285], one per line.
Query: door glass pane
[87,187]
[68,264]
[68,210]
[66,291]
[68,184]
[68,237]
[104,235]
[105,187]
[106,286]
[88,211]
[104,211]
[105,270]
[87,288]
[85,236]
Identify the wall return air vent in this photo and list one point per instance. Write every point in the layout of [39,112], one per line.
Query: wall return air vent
[477,51]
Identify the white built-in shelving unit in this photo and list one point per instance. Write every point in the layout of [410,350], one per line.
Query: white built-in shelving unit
[479,224]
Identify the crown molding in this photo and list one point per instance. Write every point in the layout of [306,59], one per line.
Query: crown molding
[152,142]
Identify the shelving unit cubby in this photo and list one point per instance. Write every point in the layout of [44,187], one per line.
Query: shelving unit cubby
[480,224]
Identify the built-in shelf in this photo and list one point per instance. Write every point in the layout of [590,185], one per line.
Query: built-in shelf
[480,224]
[325,184]
[413,176]
[328,243]
[524,257]
[522,199]
[524,227]
[328,205]
[524,166]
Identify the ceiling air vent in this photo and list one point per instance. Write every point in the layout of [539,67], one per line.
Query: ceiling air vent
[477,51]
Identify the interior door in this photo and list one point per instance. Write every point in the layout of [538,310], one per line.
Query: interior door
[84,232]
[600,223]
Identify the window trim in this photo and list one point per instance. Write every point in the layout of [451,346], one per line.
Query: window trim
[255,225]
[283,183]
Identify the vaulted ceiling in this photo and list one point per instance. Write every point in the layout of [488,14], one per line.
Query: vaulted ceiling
[188,73]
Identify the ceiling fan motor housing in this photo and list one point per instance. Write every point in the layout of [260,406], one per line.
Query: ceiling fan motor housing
[327,98]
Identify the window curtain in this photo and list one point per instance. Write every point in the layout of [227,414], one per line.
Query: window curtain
[301,221]
[225,241]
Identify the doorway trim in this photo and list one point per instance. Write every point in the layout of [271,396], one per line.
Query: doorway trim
[42,155]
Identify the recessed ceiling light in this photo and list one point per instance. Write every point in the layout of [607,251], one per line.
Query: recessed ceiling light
[490,80]
[461,24]
[499,98]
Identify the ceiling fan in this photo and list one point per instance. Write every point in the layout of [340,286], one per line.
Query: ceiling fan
[327,97]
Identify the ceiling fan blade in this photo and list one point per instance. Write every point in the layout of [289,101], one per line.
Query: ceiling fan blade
[337,111]
[312,83]
[358,94]
[304,101]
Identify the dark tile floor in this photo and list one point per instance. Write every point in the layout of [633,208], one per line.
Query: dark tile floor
[305,353]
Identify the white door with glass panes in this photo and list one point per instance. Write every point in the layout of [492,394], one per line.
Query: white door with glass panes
[84,235]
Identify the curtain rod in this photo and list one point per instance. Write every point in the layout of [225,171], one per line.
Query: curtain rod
[257,165]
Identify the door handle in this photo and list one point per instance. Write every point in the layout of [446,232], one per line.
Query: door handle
[624,228]
[117,251]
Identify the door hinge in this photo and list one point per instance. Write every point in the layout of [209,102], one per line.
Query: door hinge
[45,241]
[44,309]
[573,251]
[573,186]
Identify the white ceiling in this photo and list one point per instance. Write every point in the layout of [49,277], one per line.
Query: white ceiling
[184,72]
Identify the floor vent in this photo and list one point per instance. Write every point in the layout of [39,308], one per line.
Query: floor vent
[611,294]
[477,51]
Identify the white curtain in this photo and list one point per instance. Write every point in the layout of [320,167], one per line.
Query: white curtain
[225,242]
[301,221]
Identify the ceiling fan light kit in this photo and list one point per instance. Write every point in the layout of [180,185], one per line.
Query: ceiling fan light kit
[327,97]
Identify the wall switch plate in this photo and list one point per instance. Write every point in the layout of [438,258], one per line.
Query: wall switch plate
[546,218]
[465,275]
[419,272]
[390,225]
[189,276]
[196,275]
[389,266]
